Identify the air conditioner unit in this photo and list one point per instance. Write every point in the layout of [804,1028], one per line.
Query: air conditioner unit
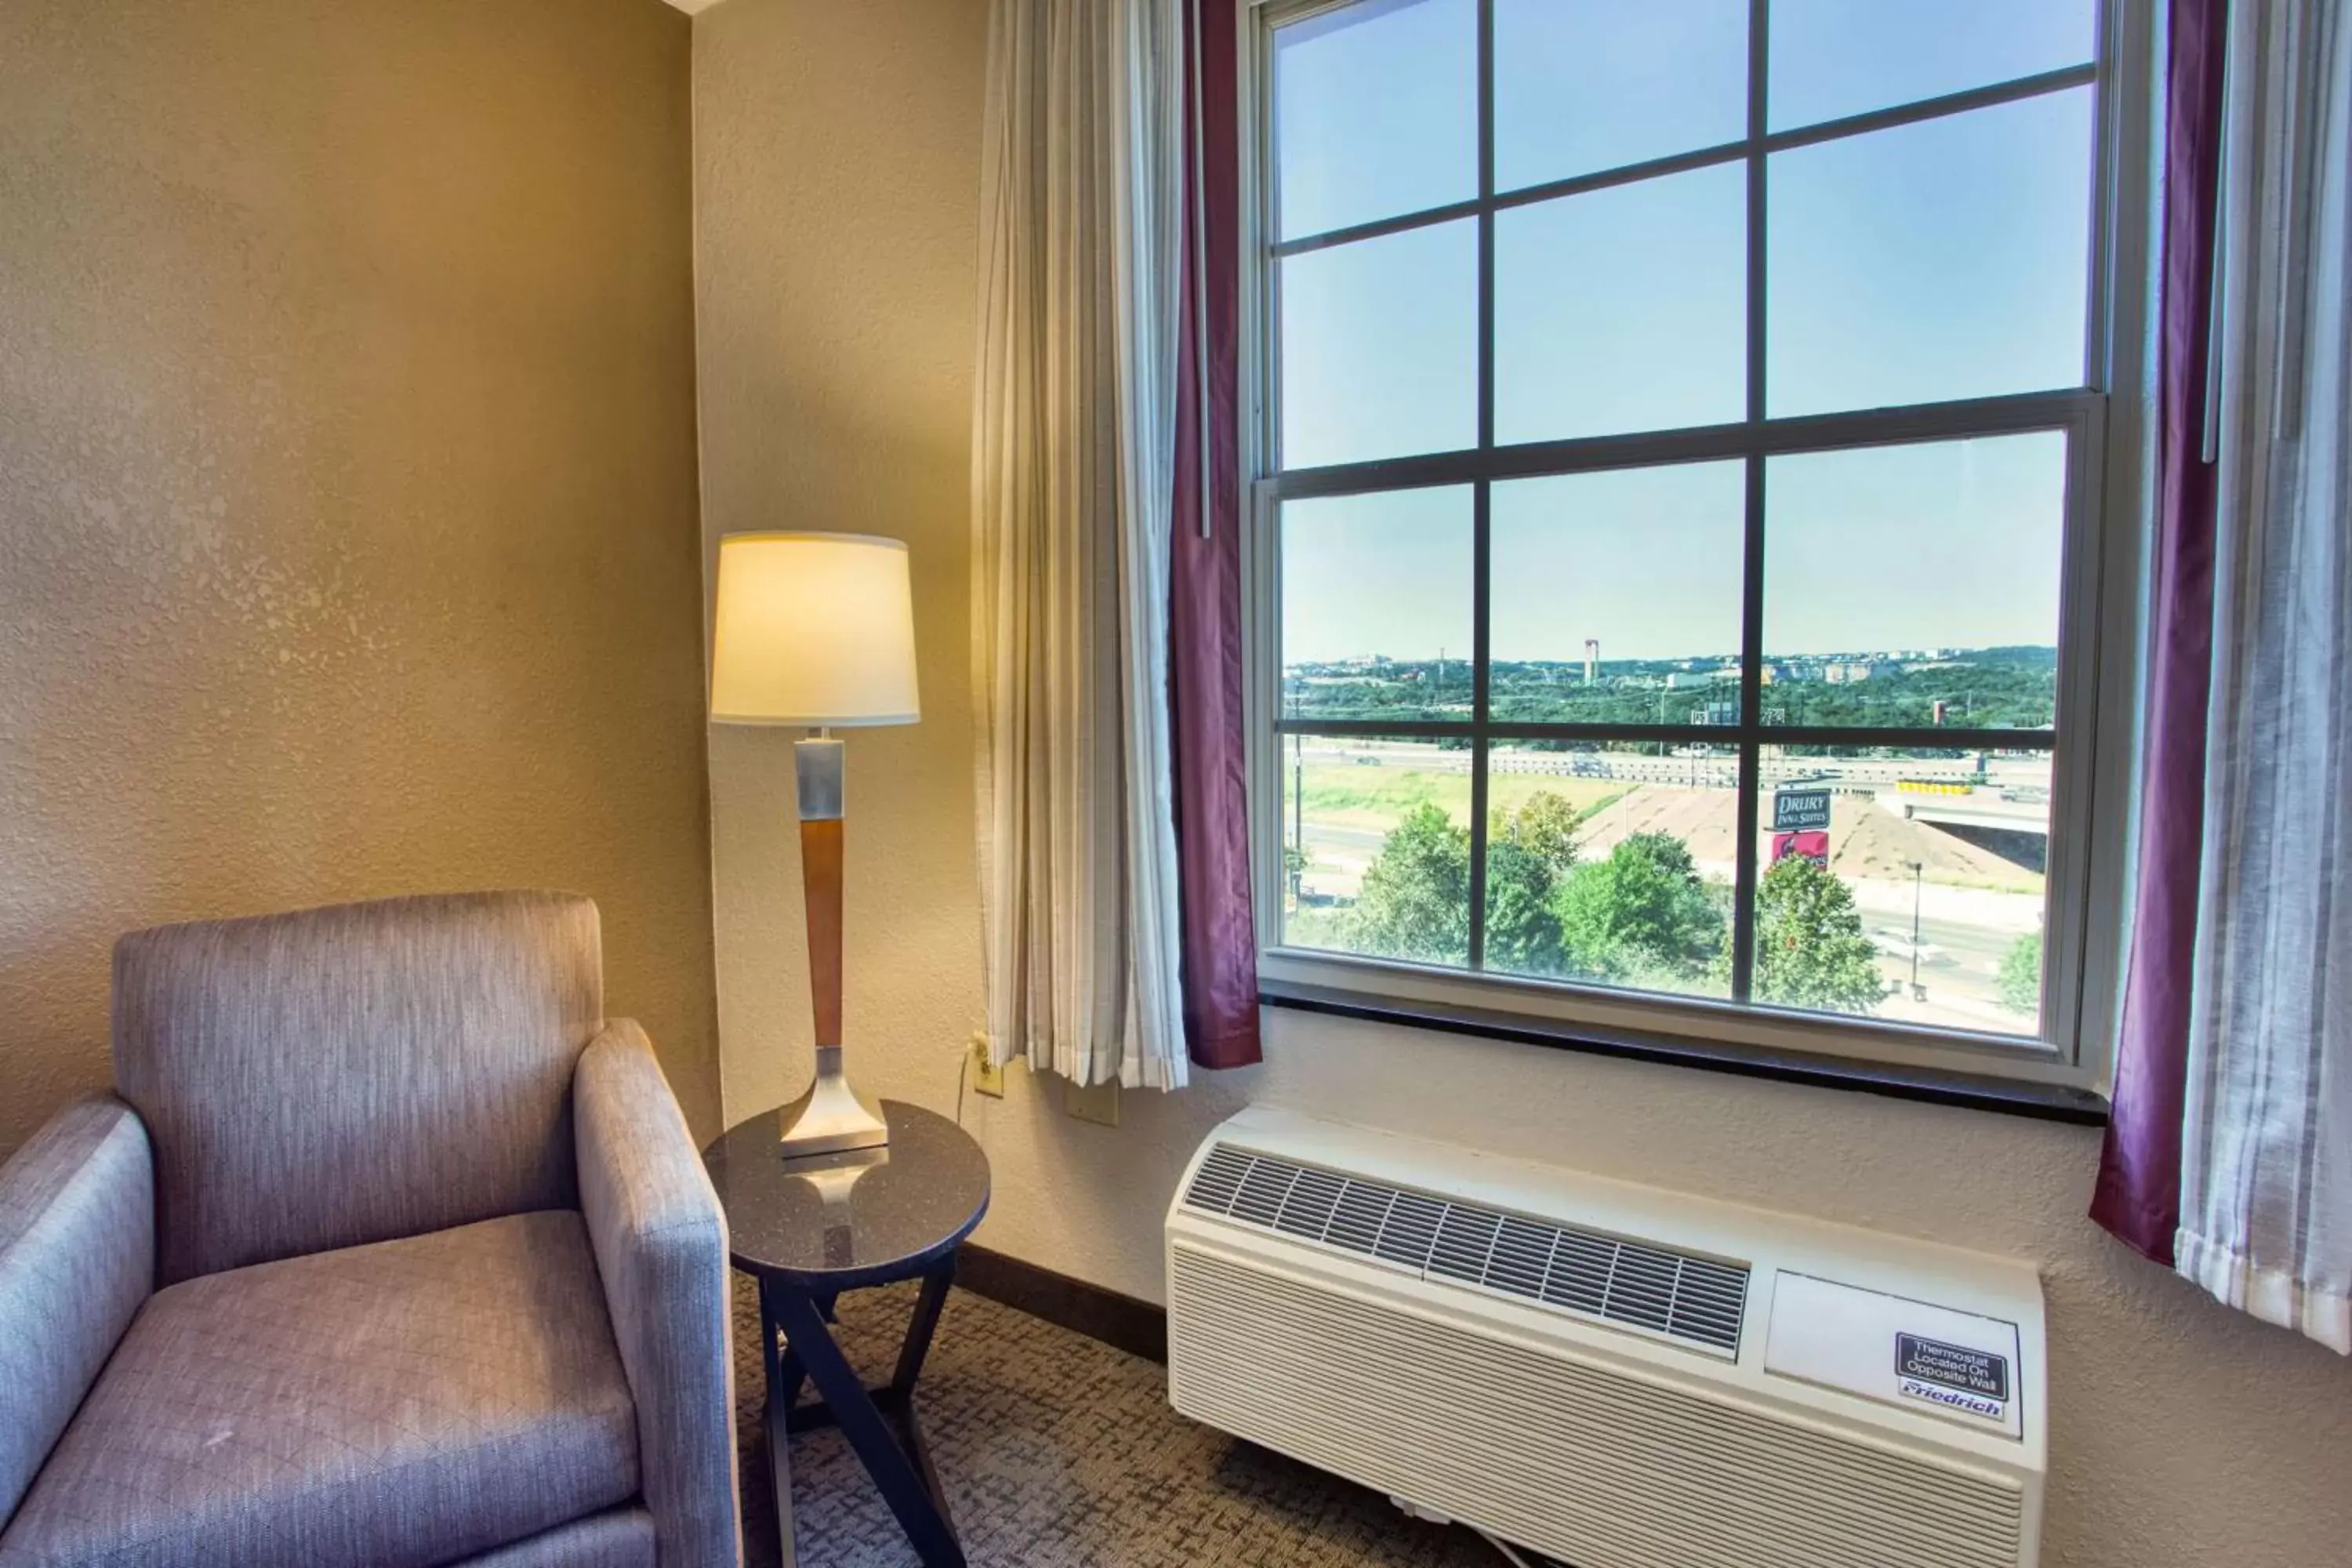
[1613,1375]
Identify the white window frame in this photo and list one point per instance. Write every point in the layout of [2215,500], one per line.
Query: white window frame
[2109,490]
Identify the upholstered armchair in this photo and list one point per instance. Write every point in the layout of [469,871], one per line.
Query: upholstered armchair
[392,1250]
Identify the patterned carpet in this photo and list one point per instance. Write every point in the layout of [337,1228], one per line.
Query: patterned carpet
[1058,1451]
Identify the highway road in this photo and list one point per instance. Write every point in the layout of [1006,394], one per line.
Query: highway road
[2000,772]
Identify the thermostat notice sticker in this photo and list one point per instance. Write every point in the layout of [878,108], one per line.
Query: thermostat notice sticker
[1967,1368]
[1955,1367]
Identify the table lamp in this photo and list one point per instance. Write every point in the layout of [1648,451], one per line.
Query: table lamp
[816,631]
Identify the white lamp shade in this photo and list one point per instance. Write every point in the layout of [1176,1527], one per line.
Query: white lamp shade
[813,629]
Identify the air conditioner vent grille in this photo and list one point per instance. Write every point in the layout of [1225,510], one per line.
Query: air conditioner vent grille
[1693,1300]
[1579,1459]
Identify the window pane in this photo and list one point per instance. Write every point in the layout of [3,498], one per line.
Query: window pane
[1376,112]
[1945,260]
[1920,902]
[1380,347]
[1376,605]
[1831,58]
[1612,865]
[1622,309]
[1915,585]
[1376,847]
[1616,596]
[1586,85]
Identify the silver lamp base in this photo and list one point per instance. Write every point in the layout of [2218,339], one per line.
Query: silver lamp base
[829,1118]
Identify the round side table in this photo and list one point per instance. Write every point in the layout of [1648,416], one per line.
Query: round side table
[808,1229]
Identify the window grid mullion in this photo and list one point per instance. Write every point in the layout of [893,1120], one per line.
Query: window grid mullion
[1482,495]
[1751,613]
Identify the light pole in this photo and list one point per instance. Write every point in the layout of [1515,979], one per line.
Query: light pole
[1918,879]
[1297,818]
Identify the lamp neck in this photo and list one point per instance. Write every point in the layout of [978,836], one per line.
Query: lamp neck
[817,770]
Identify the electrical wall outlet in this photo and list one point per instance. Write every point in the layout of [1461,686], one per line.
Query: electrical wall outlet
[987,1077]
[1099,1103]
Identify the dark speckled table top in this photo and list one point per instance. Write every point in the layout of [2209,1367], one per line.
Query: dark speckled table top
[834,1221]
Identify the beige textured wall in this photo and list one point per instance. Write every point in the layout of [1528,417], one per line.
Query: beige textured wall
[837,172]
[347,485]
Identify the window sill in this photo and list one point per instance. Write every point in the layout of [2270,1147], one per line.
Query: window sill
[2046,1102]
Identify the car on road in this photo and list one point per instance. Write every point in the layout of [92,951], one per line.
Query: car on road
[1897,941]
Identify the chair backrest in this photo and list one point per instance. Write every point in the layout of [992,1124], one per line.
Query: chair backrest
[355,1074]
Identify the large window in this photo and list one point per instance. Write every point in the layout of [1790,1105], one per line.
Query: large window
[1684,475]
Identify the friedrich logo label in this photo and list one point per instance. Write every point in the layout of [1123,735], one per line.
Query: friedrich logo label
[1955,1367]
[1950,1398]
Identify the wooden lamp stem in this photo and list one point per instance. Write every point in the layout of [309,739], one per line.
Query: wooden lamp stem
[827,1120]
[820,888]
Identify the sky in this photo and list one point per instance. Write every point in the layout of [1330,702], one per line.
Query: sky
[1938,260]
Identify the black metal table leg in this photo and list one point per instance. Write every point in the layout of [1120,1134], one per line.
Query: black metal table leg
[918,1332]
[901,1469]
[777,1414]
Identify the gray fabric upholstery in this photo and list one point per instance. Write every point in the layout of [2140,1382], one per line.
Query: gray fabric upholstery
[77,1258]
[398,1404]
[354,1074]
[621,1539]
[661,1246]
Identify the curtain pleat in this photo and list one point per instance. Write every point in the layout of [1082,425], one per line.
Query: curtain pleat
[1072,507]
[2266,1146]
[1212,785]
[2138,1193]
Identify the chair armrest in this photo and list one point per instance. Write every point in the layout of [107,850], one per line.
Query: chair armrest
[76,1258]
[660,1240]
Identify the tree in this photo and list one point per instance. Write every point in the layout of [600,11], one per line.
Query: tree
[1643,911]
[1415,898]
[2020,974]
[1527,851]
[1522,931]
[1810,950]
[1544,826]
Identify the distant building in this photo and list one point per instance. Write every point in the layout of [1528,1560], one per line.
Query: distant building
[1591,660]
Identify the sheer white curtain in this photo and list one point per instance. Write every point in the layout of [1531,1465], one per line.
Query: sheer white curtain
[1073,477]
[2267,1169]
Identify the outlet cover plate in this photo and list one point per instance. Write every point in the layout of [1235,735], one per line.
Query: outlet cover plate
[987,1077]
[1097,1104]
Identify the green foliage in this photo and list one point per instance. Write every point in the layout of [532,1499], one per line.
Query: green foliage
[1544,827]
[1522,931]
[2020,974]
[1415,899]
[1643,913]
[1810,950]
[1991,687]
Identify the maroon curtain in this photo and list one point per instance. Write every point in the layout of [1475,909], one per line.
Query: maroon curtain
[2138,1193]
[1213,857]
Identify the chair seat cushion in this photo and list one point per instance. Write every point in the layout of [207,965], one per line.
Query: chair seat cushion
[403,1403]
